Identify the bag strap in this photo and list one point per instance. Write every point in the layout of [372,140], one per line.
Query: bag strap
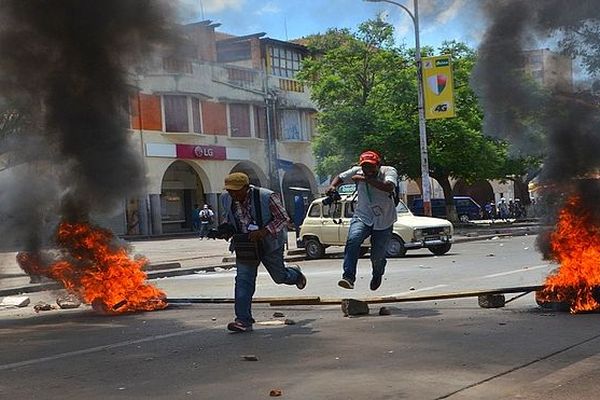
[257,206]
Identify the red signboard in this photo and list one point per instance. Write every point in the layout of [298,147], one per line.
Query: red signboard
[201,152]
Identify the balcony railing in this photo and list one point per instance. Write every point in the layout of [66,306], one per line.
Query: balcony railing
[291,85]
[244,78]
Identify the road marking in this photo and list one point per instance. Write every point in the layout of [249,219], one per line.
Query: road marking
[516,271]
[417,290]
[97,349]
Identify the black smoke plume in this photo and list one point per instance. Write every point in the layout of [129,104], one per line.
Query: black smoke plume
[64,71]
[556,123]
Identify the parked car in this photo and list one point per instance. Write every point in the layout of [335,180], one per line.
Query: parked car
[466,208]
[327,225]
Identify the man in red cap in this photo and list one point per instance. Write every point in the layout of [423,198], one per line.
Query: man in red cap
[374,215]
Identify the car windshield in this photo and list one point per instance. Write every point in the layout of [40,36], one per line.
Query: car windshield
[401,208]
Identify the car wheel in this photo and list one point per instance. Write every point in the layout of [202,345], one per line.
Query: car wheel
[464,218]
[363,251]
[441,249]
[314,249]
[395,247]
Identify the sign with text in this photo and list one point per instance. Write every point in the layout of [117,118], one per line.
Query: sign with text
[438,87]
[203,152]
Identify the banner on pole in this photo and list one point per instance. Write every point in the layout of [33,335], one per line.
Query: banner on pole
[438,87]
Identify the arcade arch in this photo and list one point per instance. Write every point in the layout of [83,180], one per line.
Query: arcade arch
[181,189]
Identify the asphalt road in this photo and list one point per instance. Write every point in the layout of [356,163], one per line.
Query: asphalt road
[430,350]
[501,262]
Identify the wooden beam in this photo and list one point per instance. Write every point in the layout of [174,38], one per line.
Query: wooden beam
[316,300]
[441,296]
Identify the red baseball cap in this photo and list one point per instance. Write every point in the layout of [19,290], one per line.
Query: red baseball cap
[369,157]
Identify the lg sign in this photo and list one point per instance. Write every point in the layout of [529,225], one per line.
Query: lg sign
[204,152]
[191,151]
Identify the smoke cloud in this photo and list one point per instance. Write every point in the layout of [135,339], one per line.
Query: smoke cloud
[64,68]
[555,123]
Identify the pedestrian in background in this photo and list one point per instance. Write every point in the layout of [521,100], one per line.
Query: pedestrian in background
[299,214]
[206,219]
[374,216]
[503,209]
[259,220]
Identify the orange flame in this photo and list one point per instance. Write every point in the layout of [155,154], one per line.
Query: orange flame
[575,244]
[97,270]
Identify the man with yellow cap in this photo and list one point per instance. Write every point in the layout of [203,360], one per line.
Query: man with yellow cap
[257,216]
[374,215]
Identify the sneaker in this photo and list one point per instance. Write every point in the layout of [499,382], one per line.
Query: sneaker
[345,283]
[375,282]
[301,282]
[238,326]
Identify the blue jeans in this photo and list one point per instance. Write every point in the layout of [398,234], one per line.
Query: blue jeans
[357,234]
[204,228]
[245,282]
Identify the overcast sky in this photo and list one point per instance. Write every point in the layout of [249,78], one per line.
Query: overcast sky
[290,19]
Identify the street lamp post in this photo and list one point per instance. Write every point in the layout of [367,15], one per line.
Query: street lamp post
[426,184]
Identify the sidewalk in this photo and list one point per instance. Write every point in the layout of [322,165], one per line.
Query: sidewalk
[186,255]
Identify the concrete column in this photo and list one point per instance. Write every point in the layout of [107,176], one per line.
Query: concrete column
[155,214]
[143,211]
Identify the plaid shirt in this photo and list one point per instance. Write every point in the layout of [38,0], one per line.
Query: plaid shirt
[242,213]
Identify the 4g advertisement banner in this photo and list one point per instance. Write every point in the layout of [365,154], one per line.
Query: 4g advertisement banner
[438,88]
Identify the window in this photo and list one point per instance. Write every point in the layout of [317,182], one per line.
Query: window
[333,210]
[297,125]
[290,125]
[196,115]
[176,114]
[284,62]
[181,113]
[239,117]
[177,65]
[315,211]
[233,51]
[260,122]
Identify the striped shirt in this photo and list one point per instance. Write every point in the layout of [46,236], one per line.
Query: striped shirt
[242,213]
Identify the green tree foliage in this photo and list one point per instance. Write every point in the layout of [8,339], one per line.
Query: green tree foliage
[366,90]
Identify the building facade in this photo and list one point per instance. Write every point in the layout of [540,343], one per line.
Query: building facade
[219,104]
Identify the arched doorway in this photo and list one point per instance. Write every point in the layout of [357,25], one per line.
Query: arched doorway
[480,191]
[181,190]
[256,177]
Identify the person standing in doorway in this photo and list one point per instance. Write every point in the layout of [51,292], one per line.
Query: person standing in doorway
[299,213]
[374,216]
[206,218]
[255,215]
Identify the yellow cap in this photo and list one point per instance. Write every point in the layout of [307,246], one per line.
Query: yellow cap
[236,181]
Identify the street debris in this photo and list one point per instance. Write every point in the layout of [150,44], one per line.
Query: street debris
[278,314]
[289,322]
[354,307]
[385,311]
[275,392]
[68,301]
[249,357]
[42,306]
[491,300]
[15,301]
[270,323]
